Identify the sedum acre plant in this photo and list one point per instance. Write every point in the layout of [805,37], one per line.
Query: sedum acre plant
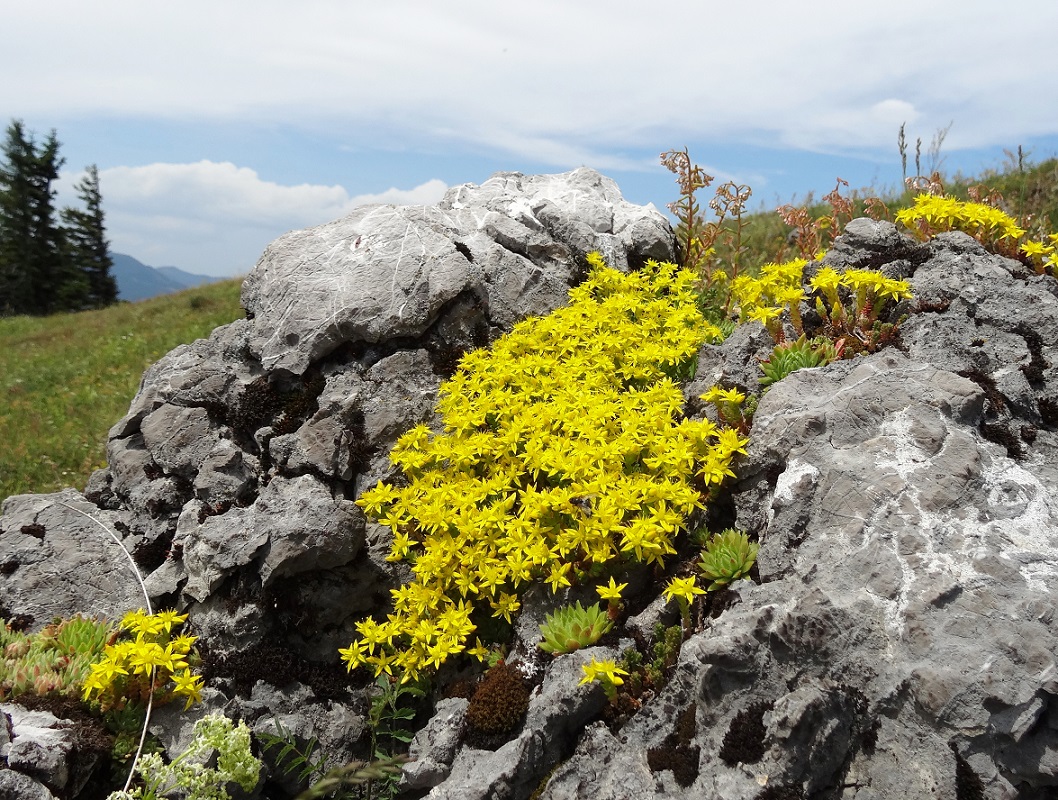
[563,447]
[605,672]
[931,214]
[152,662]
[992,227]
[849,304]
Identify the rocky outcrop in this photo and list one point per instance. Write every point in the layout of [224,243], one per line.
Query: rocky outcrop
[240,455]
[41,755]
[385,272]
[230,480]
[900,641]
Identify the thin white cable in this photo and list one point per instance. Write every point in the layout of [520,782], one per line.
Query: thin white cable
[147,600]
[128,555]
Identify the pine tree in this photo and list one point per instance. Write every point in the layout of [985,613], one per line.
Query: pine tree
[87,249]
[31,248]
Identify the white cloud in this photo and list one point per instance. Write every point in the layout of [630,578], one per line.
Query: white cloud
[166,213]
[424,194]
[222,191]
[551,72]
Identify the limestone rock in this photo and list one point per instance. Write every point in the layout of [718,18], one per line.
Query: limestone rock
[905,506]
[60,557]
[434,747]
[508,245]
[39,748]
[295,526]
[19,786]
[557,713]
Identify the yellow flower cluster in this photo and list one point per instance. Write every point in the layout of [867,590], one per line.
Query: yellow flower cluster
[1043,255]
[990,226]
[931,214]
[682,589]
[870,289]
[779,287]
[763,298]
[563,446]
[607,672]
[132,669]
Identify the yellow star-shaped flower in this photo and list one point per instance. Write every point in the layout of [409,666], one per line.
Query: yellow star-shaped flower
[682,588]
[612,591]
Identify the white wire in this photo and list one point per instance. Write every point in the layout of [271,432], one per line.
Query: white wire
[147,600]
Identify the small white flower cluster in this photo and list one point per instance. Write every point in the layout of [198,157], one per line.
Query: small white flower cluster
[188,771]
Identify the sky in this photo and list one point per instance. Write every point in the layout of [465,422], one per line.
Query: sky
[218,126]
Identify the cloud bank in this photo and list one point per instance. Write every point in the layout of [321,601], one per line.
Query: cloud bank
[548,76]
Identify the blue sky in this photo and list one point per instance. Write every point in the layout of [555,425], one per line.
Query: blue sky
[218,126]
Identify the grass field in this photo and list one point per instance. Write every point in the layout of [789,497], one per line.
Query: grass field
[67,378]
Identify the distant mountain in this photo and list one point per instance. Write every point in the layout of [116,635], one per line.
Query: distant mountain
[137,281]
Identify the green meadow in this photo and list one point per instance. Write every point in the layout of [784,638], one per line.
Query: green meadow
[66,379]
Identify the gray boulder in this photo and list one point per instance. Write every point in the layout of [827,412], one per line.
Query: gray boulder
[38,751]
[387,271]
[62,555]
[240,454]
[19,786]
[231,478]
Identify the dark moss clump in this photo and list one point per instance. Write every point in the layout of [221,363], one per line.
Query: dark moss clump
[213,510]
[682,761]
[279,666]
[1048,411]
[34,529]
[677,753]
[462,248]
[257,405]
[300,404]
[996,401]
[445,351]
[932,306]
[1034,370]
[500,701]
[869,738]
[267,402]
[1002,435]
[744,741]
[19,623]
[360,450]
[151,554]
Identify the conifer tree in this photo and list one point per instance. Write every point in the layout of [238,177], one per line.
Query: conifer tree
[87,249]
[31,251]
